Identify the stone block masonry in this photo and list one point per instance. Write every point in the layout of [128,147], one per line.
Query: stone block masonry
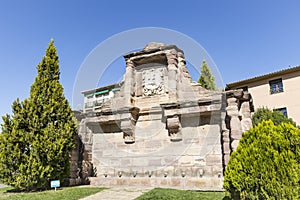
[158,128]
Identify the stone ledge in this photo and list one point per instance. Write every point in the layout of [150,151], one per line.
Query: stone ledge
[194,183]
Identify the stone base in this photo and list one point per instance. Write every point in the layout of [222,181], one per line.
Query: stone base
[187,183]
[75,181]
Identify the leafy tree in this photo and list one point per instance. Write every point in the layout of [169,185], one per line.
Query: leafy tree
[276,116]
[206,80]
[266,163]
[37,138]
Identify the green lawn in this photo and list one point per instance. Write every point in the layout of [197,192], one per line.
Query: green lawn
[65,193]
[172,194]
[74,193]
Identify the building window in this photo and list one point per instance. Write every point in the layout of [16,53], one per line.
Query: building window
[283,110]
[276,86]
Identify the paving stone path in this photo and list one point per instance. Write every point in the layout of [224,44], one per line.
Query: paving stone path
[119,193]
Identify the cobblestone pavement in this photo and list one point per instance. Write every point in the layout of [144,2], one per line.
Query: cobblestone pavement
[119,193]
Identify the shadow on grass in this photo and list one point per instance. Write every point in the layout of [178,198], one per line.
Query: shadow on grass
[10,189]
[64,193]
[173,194]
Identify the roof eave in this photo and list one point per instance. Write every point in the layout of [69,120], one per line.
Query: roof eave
[262,77]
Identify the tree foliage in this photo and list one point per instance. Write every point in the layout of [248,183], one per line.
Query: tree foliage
[37,138]
[206,80]
[263,114]
[266,163]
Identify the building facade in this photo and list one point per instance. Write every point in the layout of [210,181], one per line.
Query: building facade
[159,128]
[278,90]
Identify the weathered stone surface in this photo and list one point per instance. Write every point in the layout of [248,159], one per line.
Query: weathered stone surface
[226,146]
[235,123]
[226,159]
[232,101]
[236,134]
[155,162]
[139,86]
[238,93]
[213,160]
[234,144]
[245,106]
[159,128]
[153,45]
[170,55]
[226,136]
[153,144]
[232,111]
[246,124]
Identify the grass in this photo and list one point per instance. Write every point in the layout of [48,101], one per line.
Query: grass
[173,194]
[65,193]
[74,193]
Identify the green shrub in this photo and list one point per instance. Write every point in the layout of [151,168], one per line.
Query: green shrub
[263,114]
[265,164]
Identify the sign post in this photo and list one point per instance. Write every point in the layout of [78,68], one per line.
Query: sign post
[55,184]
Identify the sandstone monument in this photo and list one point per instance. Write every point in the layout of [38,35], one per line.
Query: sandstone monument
[157,127]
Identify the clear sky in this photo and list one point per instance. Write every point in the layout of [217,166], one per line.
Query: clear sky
[244,38]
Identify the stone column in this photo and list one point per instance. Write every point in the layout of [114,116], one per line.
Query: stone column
[235,124]
[245,113]
[239,108]
[225,139]
[128,91]
[139,84]
[172,75]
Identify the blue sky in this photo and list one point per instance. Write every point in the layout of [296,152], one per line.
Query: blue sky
[244,38]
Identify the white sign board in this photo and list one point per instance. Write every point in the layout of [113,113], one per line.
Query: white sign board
[55,184]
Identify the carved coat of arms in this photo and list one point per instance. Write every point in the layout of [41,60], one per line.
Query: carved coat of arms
[153,82]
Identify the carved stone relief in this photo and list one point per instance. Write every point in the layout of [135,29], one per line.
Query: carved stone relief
[153,82]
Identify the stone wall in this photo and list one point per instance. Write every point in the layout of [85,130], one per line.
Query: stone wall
[155,157]
[162,129]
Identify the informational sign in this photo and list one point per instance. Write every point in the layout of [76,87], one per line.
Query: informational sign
[55,184]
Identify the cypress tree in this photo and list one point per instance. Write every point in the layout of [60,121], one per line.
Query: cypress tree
[206,80]
[37,138]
